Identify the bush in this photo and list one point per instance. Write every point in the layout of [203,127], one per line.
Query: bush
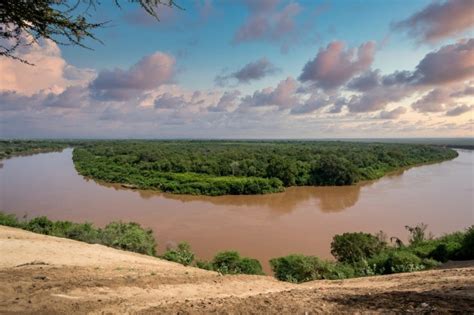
[354,247]
[84,232]
[9,220]
[467,249]
[402,261]
[40,225]
[203,264]
[300,268]
[181,254]
[129,236]
[230,262]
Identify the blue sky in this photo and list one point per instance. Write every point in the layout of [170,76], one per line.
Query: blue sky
[253,68]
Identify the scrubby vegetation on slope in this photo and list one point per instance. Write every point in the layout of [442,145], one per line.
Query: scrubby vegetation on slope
[245,167]
[358,254]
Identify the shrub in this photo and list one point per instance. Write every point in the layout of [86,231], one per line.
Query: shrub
[9,220]
[40,225]
[417,233]
[203,264]
[446,251]
[429,263]
[467,249]
[84,232]
[354,247]
[129,236]
[230,262]
[402,261]
[300,268]
[181,254]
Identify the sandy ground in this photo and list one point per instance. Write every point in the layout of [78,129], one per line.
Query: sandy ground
[48,275]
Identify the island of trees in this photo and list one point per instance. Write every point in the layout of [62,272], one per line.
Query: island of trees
[245,167]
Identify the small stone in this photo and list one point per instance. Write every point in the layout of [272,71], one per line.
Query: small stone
[424,305]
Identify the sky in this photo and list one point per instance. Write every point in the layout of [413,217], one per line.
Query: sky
[251,69]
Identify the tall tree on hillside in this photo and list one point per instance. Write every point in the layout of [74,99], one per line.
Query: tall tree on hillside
[66,22]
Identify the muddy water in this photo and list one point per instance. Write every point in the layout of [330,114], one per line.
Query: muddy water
[300,220]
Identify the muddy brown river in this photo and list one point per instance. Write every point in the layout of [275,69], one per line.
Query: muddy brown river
[299,220]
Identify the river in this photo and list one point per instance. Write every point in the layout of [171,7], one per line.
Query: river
[299,220]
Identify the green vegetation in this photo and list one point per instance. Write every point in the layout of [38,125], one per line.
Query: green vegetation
[245,167]
[10,148]
[362,254]
[126,236]
[358,254]
[181,254]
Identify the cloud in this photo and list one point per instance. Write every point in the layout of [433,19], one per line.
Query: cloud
[439,20]
[318,101]
[227,102]
[169,101]
[267,22]
[73,97]
[50,73]
[335,65]
[459,110]
[283,96]
[451,63]
[150,72]
[252,71]
[366,81]
[435,101]
[393,114]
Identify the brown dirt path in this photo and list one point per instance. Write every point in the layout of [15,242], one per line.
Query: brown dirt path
[48,275]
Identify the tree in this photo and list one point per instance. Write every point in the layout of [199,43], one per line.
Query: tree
[23,22]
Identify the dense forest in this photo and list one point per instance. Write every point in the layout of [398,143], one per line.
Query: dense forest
[10,148]
[245,167]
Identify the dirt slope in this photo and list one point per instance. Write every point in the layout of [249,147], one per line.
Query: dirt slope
[48,275]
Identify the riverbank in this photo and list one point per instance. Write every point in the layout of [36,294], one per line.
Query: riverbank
[54,275]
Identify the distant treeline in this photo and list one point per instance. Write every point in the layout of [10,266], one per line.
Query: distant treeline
[10,148]
[357,254]
[245,167]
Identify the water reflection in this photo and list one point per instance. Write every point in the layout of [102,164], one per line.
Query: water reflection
[330,199]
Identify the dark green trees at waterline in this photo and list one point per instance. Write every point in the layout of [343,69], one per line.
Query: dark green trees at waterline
[245,167]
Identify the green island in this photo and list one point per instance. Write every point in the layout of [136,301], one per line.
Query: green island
[357,254]
[245,167]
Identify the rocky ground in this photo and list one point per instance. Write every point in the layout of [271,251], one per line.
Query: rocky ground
[48,275]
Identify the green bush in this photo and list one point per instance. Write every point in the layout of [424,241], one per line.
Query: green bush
[230,262]
[40,225]
[402,261]
[181,254]
[354,247]
[467,249]
[203,264]
[84,232]
[129,236]
[9,220]
[300,268]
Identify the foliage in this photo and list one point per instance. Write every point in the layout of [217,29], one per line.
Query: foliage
[129,236]
[244,167]
[203,264]
[230,262]
[181,254]
[300,268]
[467,248]
[9,220]
[10,148]
[354,247]
[417,233]
[64,22]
